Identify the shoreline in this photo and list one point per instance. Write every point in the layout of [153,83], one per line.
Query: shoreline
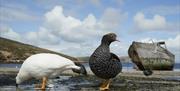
[125,81]
[127,73]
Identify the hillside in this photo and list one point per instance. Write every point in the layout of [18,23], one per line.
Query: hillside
[124,59]
[16,52]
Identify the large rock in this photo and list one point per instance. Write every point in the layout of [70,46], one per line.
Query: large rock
[151,56]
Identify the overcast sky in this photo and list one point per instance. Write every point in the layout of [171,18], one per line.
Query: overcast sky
[75,27]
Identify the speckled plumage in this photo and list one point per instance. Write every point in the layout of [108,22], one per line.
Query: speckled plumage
[103,63]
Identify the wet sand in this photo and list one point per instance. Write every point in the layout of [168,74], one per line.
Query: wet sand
[69,81]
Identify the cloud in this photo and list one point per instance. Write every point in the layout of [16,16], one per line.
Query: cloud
[41,37]
[120,48]
[15,12]
[66,26]
[74,49]
[7,32]
[70,35]
[79,36]
[173,44]
[112,18]
[163,10]
[156,23]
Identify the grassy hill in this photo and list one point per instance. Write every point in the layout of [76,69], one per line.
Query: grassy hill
[16,52]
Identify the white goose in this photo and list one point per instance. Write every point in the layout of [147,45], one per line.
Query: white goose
[46,65]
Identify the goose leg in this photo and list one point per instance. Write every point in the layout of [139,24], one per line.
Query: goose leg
[105,85]
[43,85]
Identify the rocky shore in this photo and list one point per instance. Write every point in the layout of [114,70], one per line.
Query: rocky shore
[125,81]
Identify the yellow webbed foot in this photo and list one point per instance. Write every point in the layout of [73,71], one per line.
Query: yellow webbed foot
[43,87]
[105,85]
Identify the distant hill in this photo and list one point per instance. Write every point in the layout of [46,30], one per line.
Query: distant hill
[15,52]
[124,59]
[84,59]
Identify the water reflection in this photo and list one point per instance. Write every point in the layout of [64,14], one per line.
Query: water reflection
[82,83]
[91,83]
[64,83]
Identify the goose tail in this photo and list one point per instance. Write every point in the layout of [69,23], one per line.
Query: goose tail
[82,69]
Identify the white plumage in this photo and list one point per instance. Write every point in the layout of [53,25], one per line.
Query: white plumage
[44,65]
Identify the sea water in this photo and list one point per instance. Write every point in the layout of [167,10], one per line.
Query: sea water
[69,83]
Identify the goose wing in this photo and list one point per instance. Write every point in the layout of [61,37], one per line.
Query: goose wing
[116,61]
[114,57]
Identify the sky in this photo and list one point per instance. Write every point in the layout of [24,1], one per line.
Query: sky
[75,27]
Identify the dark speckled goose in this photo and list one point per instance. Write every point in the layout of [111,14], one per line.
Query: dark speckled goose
[103,63]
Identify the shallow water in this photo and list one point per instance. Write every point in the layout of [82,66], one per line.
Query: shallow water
[90,83]
[81,83]
[64,83]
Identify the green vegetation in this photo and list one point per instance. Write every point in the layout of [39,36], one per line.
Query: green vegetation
[16,52]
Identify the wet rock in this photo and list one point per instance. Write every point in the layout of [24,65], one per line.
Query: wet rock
[91,83]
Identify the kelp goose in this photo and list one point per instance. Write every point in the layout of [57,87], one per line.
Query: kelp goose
[44,66]
[103,63]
